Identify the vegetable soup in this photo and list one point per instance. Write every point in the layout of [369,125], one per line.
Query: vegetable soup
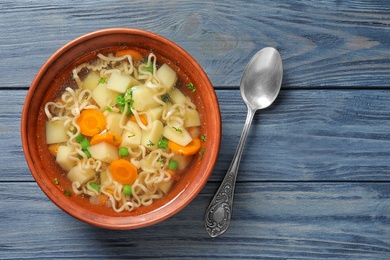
[124,131]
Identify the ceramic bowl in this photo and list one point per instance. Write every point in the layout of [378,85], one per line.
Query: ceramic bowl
[47,84]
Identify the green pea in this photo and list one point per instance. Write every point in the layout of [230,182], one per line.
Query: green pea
[94,186]
[173,165]
[79,138]
[85,144]
[87,153]
[127,190]
[123,151]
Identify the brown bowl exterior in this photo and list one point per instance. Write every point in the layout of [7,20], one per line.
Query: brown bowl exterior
[46,85]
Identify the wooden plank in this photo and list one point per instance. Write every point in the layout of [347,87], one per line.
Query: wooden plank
[327,44]
[305,135]
[270,220]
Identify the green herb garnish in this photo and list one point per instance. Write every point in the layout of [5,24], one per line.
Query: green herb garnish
[177,129]
[163,143]
[165,98]
[148,68]
[201,153]
[67,192]
[191,87]
[125,99]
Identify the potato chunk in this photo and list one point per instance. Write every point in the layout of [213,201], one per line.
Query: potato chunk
[143,97]
[103,96]
[182,160]
[113,123]
[62,157]
[104,152]
[91,80]
[177,97]
[75,174]
[167,76]
[192,118]
[151,136]
[132,135]
[166,186]
[179,136]
[55,132]
[119,82]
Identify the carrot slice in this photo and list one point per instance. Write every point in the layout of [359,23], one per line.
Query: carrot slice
[91,122]
[53,149]
[172,173]
[137,56]
[103,199]
[142,117]
[192,148]
[107,137]
[123,171]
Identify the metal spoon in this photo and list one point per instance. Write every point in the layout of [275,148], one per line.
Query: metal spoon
[259,87]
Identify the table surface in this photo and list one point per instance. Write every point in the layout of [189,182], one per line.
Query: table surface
[314,180]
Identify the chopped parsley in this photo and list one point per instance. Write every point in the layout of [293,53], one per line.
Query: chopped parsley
[203,138]
[191,87]
[163,143]
[177,129]
[201,153]
[56,182]
[165,98]
[148,68]
[67,192]
[123,99]
[160,160]
[102,80]
[151,143]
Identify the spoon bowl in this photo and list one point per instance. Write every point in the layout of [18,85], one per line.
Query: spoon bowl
[259,87]
[260,84]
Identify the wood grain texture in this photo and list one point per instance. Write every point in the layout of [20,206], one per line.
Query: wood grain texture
[306,135]
[326,44]
[314,180]
[270,220]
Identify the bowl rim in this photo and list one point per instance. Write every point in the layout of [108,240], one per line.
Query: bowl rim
[111,224]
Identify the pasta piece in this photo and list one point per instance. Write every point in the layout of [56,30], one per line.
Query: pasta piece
[91,80]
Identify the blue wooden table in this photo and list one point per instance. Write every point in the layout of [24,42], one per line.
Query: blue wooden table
[314,181]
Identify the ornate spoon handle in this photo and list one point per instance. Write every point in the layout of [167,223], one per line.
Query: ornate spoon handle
[218,213]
